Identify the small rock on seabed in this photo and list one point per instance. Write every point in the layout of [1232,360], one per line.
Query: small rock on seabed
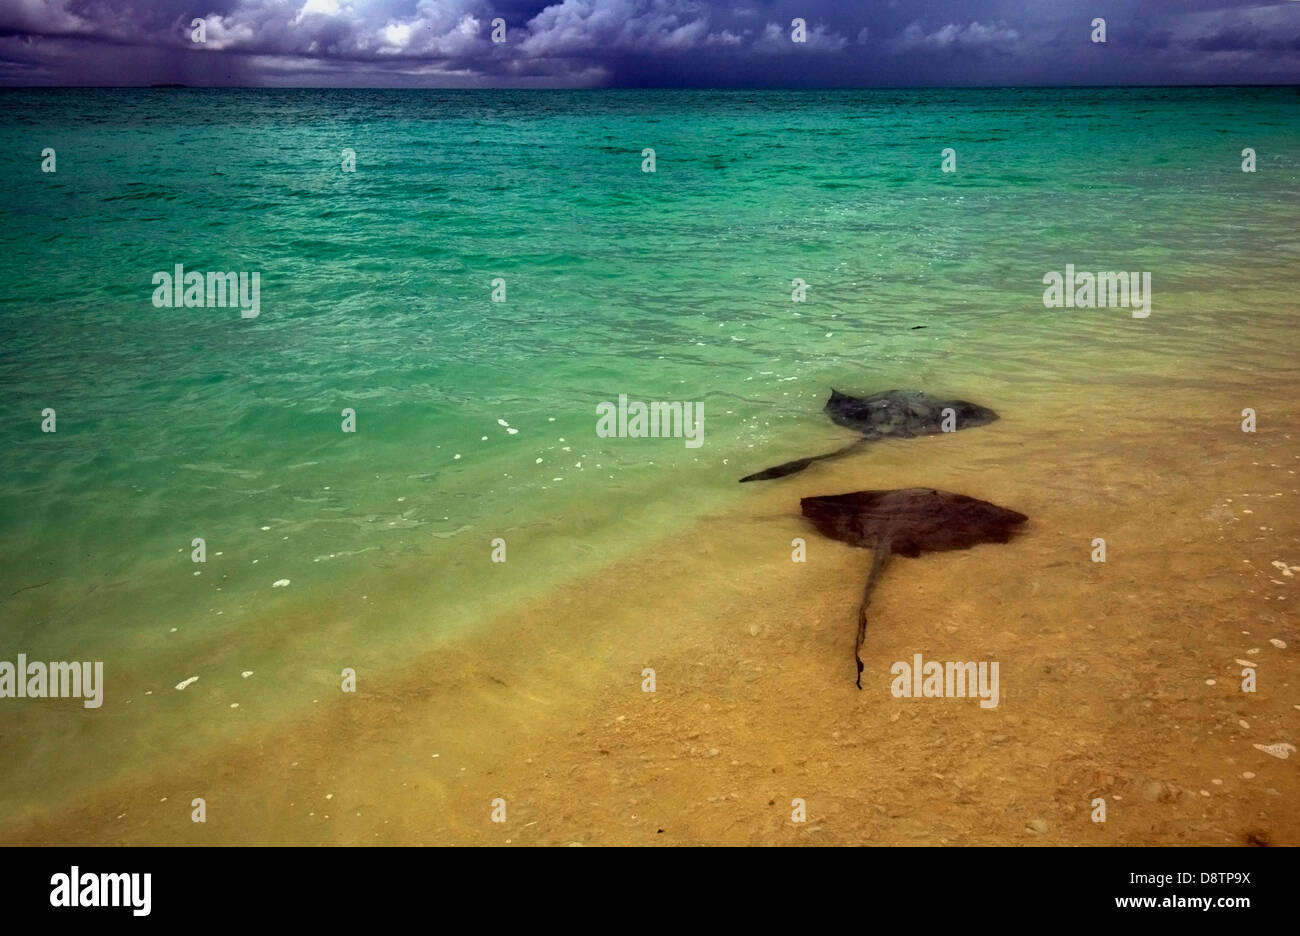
[1280,750]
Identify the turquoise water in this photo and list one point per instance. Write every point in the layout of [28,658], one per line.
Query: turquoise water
[175,423]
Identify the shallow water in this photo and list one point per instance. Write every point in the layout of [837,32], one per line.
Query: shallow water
[176,423]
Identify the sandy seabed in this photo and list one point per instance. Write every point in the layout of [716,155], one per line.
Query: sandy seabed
[1119,681]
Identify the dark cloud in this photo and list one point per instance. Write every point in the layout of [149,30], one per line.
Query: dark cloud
[647,42]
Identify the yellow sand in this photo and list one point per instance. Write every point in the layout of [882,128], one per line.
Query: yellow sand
[1104,669]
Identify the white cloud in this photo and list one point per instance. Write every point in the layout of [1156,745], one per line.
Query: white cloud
[725,38]
[974,35]
[587,26]
[323,7]
[777,38]
[397,34]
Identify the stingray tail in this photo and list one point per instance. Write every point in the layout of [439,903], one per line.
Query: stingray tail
[799,464]
[877,567]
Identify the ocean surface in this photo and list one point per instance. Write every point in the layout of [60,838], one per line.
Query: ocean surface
[376,292]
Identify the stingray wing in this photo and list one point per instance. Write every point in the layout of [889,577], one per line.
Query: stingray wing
[911,520]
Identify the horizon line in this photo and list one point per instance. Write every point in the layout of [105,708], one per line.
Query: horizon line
[180,86]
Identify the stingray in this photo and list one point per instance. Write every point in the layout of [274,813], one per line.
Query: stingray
[906,522]
[894,414]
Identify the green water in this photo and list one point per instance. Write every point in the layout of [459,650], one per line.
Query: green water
[175,423]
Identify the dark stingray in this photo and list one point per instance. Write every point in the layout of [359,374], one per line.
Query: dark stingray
[894,414]
[906,522]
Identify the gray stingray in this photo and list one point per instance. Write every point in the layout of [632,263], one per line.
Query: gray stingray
[894,414]
[906,522]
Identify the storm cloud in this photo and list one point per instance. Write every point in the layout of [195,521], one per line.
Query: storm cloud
[690,43]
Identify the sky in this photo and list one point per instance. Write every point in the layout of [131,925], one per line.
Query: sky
[647,43]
